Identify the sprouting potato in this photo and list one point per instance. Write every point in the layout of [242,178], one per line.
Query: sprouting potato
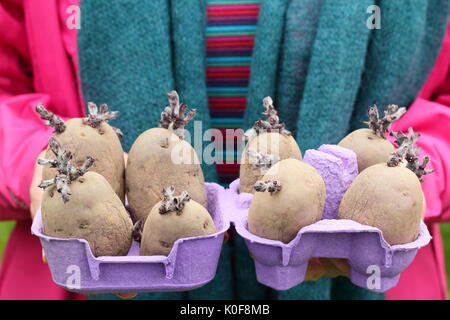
[82,205]
[388,196]
[295,198]
[268,143]
[370,145]
[370,149]
[173,218]
[160,158]
[91,136]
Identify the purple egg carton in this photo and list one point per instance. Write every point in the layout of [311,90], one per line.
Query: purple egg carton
[191,264]
[374,264]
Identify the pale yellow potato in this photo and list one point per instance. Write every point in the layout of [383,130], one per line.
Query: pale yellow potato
[273,143]
[100,143]
[388,198]
[162,230]
[300,202]
[94,213]
[370,149]
[159,159]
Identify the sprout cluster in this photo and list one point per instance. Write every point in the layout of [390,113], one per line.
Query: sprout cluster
[271,186]
[137,231]
[94,119]
[381,126]
[270,124]
[66,172]
[262,161]
[99,114]
[171,203]
[174,116]
[51,119]
[409,152]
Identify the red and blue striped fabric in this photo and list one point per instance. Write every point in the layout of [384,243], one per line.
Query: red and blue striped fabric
[230,36]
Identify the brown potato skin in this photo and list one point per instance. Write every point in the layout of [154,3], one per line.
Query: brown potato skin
[150,169]
[388,198]
[83,140]
[262,143]
[370,149]
[162,230]
[94,213]
[299,203]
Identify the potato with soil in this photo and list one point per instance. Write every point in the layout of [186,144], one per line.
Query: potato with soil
[370,145]
[268,143]
[160,158]
[82,205]
[295,198]
[91,136]
[173,218]
[388,196]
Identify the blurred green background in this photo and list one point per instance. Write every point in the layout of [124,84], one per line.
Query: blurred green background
[445,228]
[6,227]
[5,230]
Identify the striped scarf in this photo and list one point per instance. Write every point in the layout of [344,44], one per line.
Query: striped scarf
[230,35]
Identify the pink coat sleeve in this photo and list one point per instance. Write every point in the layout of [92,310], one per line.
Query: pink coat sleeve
[430,116]
[22,134]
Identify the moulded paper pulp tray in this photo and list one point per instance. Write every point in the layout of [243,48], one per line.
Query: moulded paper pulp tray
[374,264]
[191,264]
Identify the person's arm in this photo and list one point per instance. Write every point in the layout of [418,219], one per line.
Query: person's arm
[23,135]
[429,115]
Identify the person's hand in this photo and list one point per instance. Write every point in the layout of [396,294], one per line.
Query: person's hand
[36,193]
[326,267]
[126,295]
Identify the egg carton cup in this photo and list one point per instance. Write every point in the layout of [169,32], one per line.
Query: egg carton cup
[374,264]
[191,264]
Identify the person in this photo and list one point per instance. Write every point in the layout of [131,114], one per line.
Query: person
[324,62]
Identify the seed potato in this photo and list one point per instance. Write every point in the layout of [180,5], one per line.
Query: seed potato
[81,204]
[300,202]
[370,149]
[162,230]
[388,198]
[100,143]
[94,213]
[158,159]
[370,145]
[90,136]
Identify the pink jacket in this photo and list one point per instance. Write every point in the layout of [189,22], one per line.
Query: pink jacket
[38,63]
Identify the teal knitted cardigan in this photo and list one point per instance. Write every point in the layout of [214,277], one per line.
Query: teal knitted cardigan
[316,58]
